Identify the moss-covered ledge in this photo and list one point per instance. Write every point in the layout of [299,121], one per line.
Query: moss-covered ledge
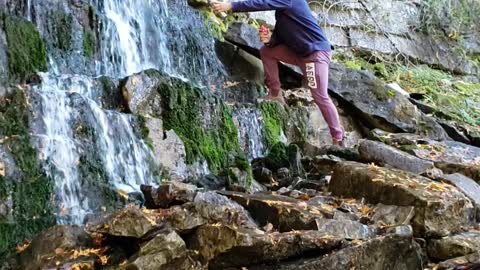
[31,191]
[25,48]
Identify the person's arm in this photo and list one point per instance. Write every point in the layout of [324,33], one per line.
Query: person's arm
[251,5]
[260,5]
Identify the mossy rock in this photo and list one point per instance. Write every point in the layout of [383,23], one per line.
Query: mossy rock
[273,115]
[26,50]
[32,192]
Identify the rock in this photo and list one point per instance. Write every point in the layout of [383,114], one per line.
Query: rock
[449,156]
[393,215]
[129,222]
[389,252]
[3,57]
[284,213]
[263,175]
[159,252]
[237,177]
[141,95]
[453,246]
[168,149]
[283,173]
[320,166]
[471,261]
[168,194]
[397,88]
[311,184]
[257,187]
[330,150]
[210,182]
[52,242]
[243,34]
[377,152]
[466,185]
[439,208]
[351,230]
[227,247]
[378,107]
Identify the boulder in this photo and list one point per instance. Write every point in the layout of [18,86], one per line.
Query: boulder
[392,215]
[348,229]
[383,154]
[56,241]
[284,213]
[159,252]
[168,194]
[378,107]
[471,261]
[244,35]
[128,222]
[388,252]
[439,208]
[141,95]
[449,156]
[225,247]
[466,185]
[453,246]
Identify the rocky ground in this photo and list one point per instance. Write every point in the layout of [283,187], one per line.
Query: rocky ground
[395,201]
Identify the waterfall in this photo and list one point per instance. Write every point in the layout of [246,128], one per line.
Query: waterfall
[249,131]
[74,130]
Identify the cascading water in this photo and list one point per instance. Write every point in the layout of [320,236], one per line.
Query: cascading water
[135,36]
[250,131]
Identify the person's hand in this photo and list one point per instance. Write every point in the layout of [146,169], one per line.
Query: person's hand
[219,7]
[264,34]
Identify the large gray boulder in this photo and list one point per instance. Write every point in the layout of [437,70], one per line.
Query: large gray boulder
[439,208]
[378,152]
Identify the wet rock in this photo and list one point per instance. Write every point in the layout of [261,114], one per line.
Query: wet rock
[159,252]
[351,230]
[439,208]
[454,246]
[284,213]
[141,95]
[3,57]
[310,184]
[471,171]
[393,215]
[389,252]
[263,175]
[52,242]
[129,222]
[379,107]
[471,261]
[320,166]
[168,194]
[380,153]
[228,247]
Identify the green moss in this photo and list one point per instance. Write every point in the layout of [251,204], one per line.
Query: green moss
[272,115]
[353,65]
[88,43]
[183,112]
[278,156]
[32,193]
[26,50]
[144,131]
[63,30]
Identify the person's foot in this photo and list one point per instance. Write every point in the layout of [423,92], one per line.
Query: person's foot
[339,143]
[269,97]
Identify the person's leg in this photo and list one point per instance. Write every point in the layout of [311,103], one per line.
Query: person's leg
[315,69]
[270,58]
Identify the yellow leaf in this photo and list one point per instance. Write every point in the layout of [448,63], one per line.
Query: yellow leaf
[23,247]
[123,194]
[365,210]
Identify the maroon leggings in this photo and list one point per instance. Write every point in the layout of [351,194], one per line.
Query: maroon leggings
[315,70]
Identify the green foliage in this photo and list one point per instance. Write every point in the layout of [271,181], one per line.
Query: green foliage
[32,193]
[88,43]
[273,115]
[278,156]
[451,17]
[183,111]
[62,30]
[144,131]
[26,50]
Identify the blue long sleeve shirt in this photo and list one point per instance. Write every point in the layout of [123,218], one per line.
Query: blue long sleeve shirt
[295,27]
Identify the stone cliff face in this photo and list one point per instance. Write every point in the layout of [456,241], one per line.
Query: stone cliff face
[103,103]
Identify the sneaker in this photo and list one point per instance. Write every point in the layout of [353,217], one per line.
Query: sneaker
[269,97]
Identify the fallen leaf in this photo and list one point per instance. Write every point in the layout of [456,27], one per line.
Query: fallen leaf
[412,185]
[365,210]
[123,194]
[23,247]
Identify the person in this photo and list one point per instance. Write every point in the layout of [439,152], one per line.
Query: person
[296,39]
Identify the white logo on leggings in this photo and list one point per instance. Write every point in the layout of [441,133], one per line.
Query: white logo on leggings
[311,76]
